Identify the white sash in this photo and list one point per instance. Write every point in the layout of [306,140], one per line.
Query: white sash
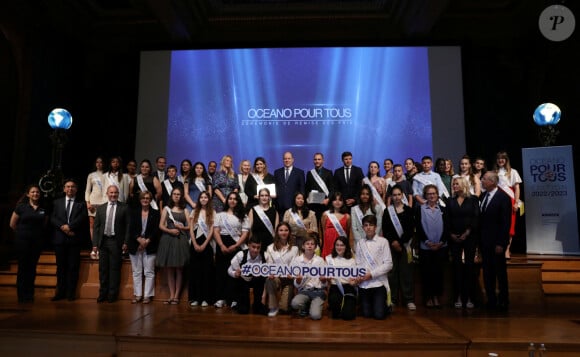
[297,219]
[258,179]
[358,213]
[243,194]
[203,226]
[505,188]
[426,182]
[143,188]
[229,229]
[199,184]
[373,264]
[170,215]
[376,194]
[112,181]
[264,217]
[99,183]
[168,186]
[422,179]
[336,223]
[319,181]
[330,262]
[395,220]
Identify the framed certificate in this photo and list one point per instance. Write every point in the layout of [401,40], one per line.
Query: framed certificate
[316,197]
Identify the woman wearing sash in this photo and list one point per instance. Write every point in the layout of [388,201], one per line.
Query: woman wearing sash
[231,228]
[280,252]
[201,265]
[116,177]
[342,289]
[131,169]
[398,228]
[366,207]
[243,175]
[301,219]
[94,194]
[145,182]
[184,170]
[430,226]
[259,176]
[168,185]
[263,218]
[509,181]
[224,182]
[463,216]
[465,171]
[173,252]
[388,165]
[334,223]
[142,246]
[375,179]
[195,183]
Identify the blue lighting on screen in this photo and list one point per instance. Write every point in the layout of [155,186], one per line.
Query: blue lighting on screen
[372,101]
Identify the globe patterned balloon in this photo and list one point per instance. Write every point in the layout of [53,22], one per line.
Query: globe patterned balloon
[60,119]
[547,114]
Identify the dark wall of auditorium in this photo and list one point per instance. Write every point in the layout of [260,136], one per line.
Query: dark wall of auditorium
[505,78]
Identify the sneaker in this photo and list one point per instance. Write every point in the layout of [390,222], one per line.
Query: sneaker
[194,303]
[469,305]
[204,304]
[94,255]
[234,304]
[220,303]
[411,306]
[273,312]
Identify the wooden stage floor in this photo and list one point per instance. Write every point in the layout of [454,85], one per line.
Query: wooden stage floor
[85,328]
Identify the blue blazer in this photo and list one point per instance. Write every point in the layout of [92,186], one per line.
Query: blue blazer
[285,190]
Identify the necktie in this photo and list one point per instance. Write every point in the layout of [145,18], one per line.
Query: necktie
[110,219]
[347,174]
[68,207]
[484,204]
[287,174]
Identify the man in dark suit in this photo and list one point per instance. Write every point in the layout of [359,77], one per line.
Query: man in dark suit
[494,220]
[348,180]
[110,238]
[71,231]
[319,179]
[160,172]
[289,180]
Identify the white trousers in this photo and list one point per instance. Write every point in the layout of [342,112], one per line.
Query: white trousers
[143,265]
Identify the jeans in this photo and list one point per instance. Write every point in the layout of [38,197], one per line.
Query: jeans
[143,264]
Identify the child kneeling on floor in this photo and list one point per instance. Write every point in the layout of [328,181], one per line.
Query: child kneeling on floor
[243,283]
[311,290]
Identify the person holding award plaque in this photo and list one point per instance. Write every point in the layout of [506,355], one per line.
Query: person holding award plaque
[259,178]
[319,186]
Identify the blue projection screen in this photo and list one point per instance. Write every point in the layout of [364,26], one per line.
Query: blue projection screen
[373,101]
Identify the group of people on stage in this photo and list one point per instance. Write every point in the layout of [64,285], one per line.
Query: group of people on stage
[211,223]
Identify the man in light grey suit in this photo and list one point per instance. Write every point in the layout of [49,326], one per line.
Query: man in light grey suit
[111,235]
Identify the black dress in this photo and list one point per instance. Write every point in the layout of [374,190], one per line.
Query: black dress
[259,228]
